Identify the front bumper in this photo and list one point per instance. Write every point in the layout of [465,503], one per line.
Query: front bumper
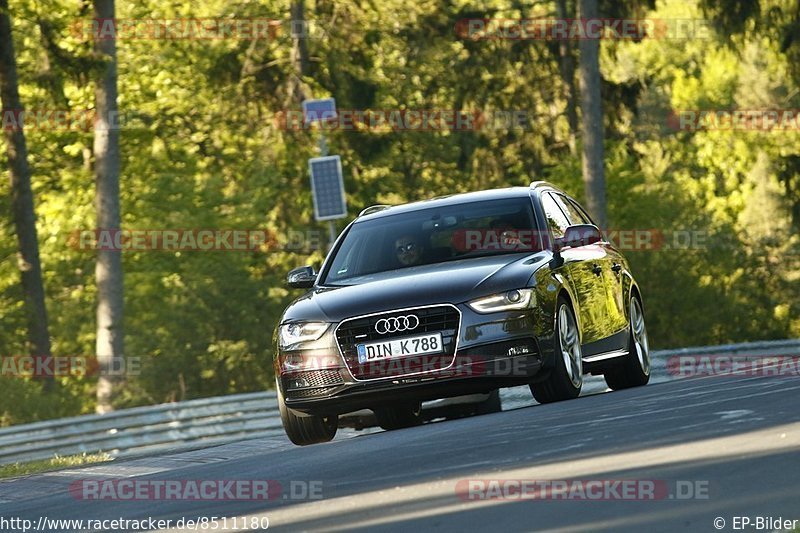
[492,351]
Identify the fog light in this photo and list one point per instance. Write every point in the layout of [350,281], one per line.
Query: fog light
[297,383]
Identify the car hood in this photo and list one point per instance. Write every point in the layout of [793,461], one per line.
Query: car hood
[449,282]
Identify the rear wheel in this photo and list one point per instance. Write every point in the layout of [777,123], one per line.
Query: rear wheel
[634,369]
[566,376]
[304,430]
[399,416]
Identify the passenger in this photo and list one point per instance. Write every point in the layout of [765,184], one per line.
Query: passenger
[505,234]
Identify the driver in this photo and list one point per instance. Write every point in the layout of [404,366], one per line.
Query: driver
[408,250]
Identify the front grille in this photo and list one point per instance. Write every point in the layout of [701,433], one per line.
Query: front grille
[442,319]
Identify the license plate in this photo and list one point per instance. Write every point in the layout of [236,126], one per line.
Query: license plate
[418,345]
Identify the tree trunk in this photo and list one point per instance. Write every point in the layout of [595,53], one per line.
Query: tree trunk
[22,198]
[108,270]
[300,62]
[567,67]
[594,182]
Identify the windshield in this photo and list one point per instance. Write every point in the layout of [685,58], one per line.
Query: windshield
[434,235]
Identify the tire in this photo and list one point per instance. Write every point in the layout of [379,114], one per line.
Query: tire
[566,376]
[399,417]
[490,405]
[634,369]
[305,430]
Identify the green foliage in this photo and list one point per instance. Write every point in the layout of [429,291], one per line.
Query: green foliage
[201,149]
[23,400]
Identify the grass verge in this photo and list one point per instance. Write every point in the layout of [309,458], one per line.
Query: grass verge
[57,462]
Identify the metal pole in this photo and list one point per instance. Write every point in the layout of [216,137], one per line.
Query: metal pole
[331,234]
[323,152]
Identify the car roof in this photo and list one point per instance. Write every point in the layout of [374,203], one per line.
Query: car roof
[453,199]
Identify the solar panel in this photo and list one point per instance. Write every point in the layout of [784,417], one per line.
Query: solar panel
[319,110]
[327,187]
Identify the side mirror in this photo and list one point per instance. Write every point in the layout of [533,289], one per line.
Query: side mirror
[301,278]
[579,235]
[574,236]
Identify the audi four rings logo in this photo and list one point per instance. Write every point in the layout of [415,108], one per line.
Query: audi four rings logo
[397,323]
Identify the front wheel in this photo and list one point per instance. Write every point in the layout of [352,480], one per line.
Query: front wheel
[634,369]
[305,430]
[566,376]
[399,416]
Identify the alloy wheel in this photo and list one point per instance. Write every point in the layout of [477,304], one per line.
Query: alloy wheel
[570,345]
[640,343]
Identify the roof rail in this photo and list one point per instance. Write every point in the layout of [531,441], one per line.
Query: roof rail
[373,209]
[539,183]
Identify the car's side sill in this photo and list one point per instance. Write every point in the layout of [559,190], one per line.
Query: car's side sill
[604,356]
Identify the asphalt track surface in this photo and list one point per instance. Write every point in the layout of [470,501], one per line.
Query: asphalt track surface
[732,441]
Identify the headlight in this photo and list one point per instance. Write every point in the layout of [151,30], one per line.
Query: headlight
[507,301]
[295,332]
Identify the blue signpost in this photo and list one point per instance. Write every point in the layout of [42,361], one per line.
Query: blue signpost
[327,183]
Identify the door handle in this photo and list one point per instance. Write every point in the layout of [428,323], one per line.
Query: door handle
[597,270]
[616,267]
